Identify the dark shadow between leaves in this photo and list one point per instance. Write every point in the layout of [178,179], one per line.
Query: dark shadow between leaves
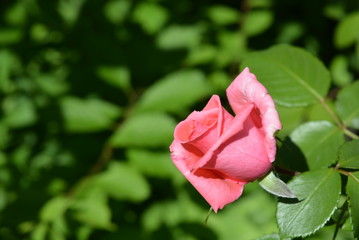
[289,200]
[289,156]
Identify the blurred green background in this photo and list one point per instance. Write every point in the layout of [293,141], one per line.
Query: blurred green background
[91,91]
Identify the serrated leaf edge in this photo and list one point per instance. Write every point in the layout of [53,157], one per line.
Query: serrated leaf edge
[350,216]
[316,229]
[351,220]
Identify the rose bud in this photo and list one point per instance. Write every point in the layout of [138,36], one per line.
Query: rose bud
[219,153]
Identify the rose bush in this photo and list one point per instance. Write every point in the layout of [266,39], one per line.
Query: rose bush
[219,153]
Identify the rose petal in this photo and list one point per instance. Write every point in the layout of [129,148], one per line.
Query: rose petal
[243,156]
[236,126]
[215,188]
[246,89]
[196,131]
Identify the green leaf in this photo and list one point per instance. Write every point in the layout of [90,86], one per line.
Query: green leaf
[16,14]
[317,112]
[290,118]
[318,193]
[19,111]
[353,192]
[9,62]
[70,10]
[274,185]
[10,36]
[88,115]
[154,164]
[117,10]
[219,80]
[319,141]
[180,36]
[223,15]
[232,45]
[123,182]
[290,32]
[171,212]
[150,16]
[51,84]
[92,209]
[347,31]
[255,221]
[145,130]
[257,21]
[339,68]
[274,236]
[175,92]
[117,76]
[347,105]
[349,155]
[293,77]
[54,208]
[201,55]
[39,232]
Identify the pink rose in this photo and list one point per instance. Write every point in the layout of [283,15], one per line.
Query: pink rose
[219,153]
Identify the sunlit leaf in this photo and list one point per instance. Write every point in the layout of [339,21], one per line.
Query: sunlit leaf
[175,92]
[339,68]
[54,208]
[275,186]
[292,76]
[154,164]
[180,36]
[19,111]
[117,76]
[353,192]
[91,208]
[255,221]
[220,80]
[70,10]
[347,31]
[319,141]
[172,212]
[349,155]
[290,32]
[317,112]
[271,237]
[150,16]
[201,55]
[39,232]
[233,45]
[40,33]
[145,130]
[257,21]
[223,15]
[51,84]
[88,115]
[16,14]
[347,105]
[117,10]
[318,193]
[122,182]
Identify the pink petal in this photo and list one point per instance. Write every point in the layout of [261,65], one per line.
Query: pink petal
[233,128]
[215,188]
[246,89]
[200,130]
[243,156]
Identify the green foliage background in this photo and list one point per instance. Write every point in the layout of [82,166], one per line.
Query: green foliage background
[91,91]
